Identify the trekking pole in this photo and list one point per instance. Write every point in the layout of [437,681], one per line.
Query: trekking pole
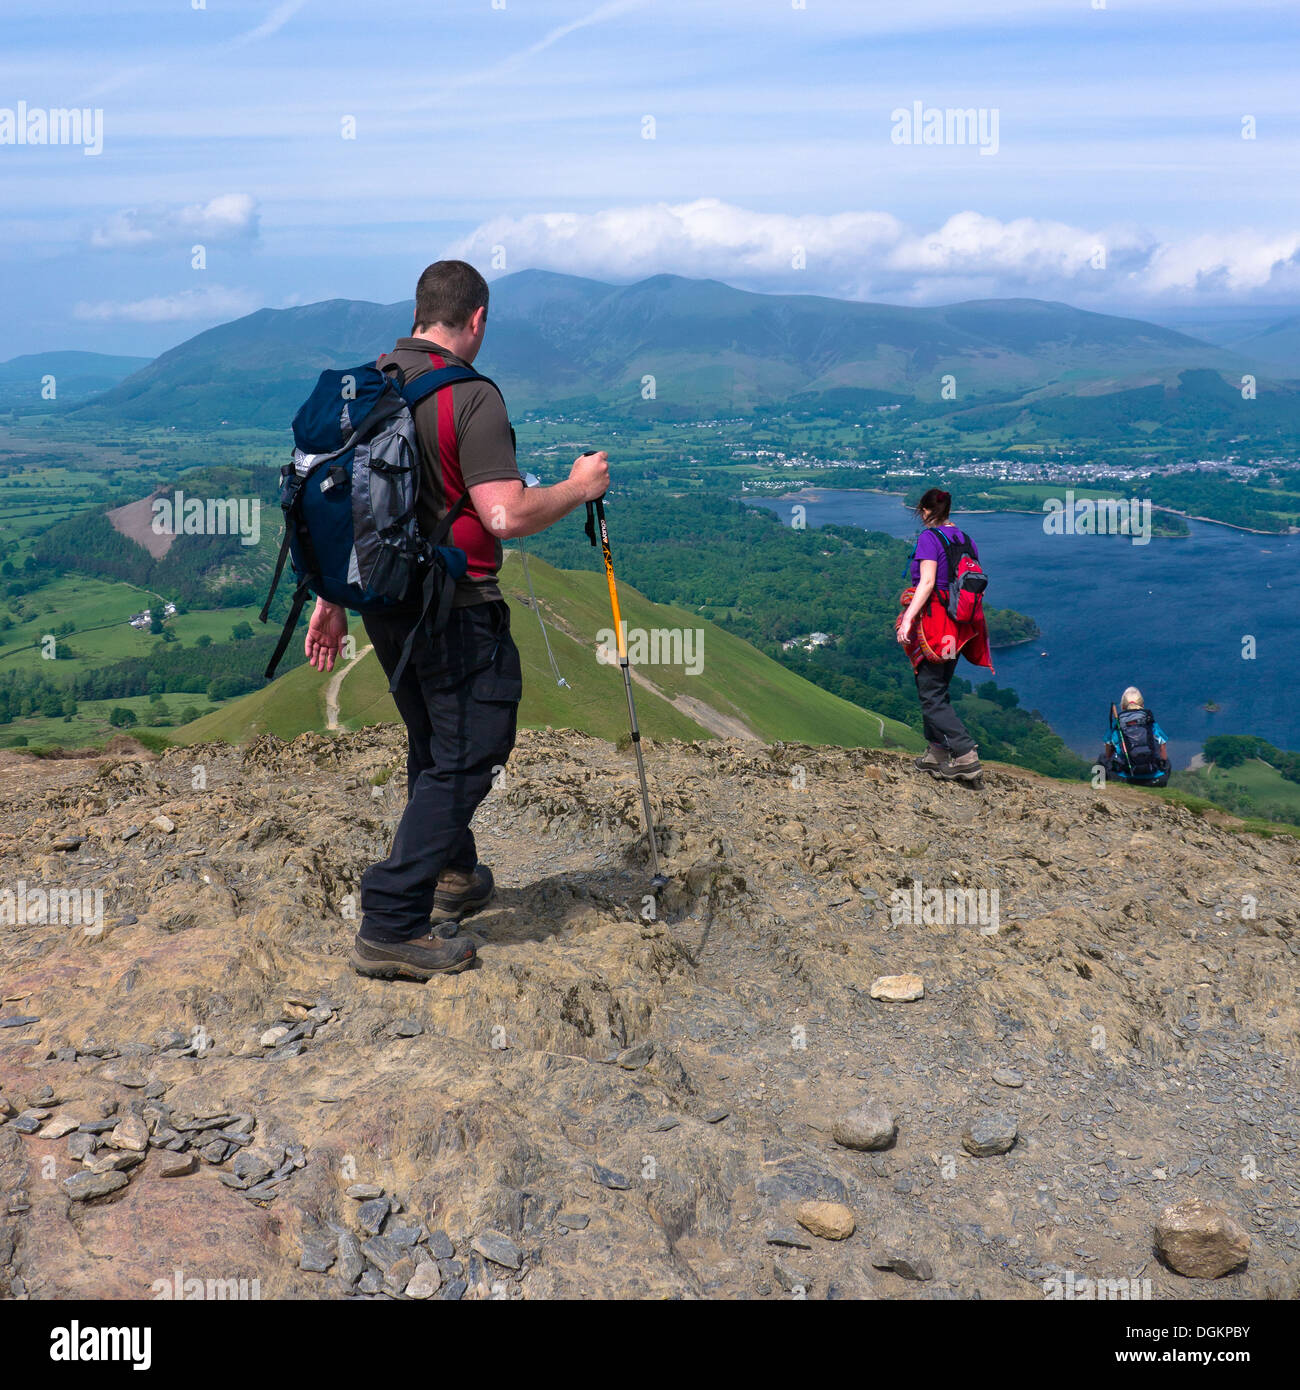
[532,480]
[596,519]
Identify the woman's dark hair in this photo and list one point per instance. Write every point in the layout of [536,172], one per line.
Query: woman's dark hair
[937,502]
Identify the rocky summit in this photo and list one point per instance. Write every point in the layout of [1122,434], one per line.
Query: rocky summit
[705,1095]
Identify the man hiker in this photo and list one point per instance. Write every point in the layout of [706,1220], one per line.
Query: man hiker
[1136,749]
[459,692]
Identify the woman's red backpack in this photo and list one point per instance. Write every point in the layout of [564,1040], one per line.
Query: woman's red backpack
[966,579]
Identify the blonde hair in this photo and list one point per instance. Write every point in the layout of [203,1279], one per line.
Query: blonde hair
[1131,698]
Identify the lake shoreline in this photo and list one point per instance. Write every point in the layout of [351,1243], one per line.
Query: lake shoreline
[812,494]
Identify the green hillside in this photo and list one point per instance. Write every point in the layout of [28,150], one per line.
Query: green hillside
[738,691]
[292,704]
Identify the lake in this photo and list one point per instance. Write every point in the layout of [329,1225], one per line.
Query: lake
[1169,617]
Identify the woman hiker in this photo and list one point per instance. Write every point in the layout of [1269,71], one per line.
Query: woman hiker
[933,640]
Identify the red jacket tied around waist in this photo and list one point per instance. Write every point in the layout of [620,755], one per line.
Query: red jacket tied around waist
[936,636]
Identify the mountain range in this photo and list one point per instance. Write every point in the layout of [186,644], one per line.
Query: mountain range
[564,342]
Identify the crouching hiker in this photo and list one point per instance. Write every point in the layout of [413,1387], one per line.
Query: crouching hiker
[445,643]
[942,618]
[1136,749]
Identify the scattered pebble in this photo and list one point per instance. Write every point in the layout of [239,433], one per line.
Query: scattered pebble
[501,1250]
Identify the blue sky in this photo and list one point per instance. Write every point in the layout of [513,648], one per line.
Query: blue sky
[516,129]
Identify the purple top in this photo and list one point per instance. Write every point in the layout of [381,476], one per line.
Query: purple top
[929,547]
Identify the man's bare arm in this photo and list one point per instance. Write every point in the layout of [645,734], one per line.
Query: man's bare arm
[509,509]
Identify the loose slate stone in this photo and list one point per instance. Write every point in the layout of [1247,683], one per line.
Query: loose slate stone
[352,1262]
[989,1135]
[131,1133]
[29,1121]
[406,1028]
[440,1246]
[716,1117]
[406,1236]
[1200,1240]
[80,1145]
[905,1266]
[383,1252]
[634,1058]
[18,1020]
[177,1165]
[316,1259]
[372,1215]
[371,1281]
[364,1191]
[829,1220]
[254,1164]
[283,1054]
[425,1282]
[788,1236]
[865,1127]
[574,1220]
[275,1035]
[69,842]
[498,1248]
[215,1152]
[85,1186]
[607,1177]
[1005,1076]
[58,1127]
[454,1292]
[790,1279]
[664,1125]
[164,824]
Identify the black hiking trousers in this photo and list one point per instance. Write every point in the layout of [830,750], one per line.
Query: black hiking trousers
[459,698]
[940,721]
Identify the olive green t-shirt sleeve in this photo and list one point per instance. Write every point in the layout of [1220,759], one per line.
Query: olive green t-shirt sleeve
[487,446]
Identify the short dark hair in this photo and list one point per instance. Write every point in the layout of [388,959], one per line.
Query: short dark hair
[937,502]
[449,292]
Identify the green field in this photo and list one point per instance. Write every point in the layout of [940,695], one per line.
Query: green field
[1271,795]
[737,686]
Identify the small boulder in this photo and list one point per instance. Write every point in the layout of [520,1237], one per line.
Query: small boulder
[867,1126]
[989,1135]
[829,1220]
[1200,1240]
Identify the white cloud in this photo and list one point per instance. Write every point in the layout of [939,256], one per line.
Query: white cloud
[217,303]
[229,217]
[859,254]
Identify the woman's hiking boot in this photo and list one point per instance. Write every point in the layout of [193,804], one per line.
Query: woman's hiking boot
[418,959]
[458,894]
[933,758]
[965,768]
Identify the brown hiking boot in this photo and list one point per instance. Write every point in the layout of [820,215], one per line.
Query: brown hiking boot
[459,894]
[933,758]
[966,768]
[418,959]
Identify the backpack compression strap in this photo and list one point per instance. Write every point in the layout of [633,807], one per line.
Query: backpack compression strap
[431,577]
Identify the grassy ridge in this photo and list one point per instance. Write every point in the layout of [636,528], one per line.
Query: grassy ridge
[737,682]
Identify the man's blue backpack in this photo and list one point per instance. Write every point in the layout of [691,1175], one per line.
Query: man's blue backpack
[349,498]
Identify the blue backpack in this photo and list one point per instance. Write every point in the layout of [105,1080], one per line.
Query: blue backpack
[349,498]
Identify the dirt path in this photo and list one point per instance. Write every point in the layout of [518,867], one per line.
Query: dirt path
[335,685]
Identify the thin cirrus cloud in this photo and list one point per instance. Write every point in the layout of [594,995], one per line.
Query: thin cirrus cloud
[858,254]
[213,304]
[227,217]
